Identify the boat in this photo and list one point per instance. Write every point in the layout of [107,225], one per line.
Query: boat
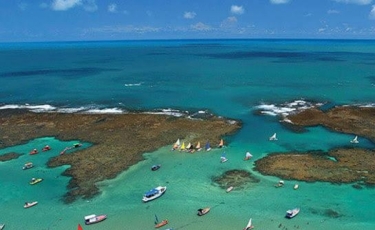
[273,137]
[79,227]
[93,219]
[296,186]
[182,147]
[248,156]
[155,167]
[292,213]
[188,146]
[30,204]
[161,223]
[46,148]
[198,147]
[280,184]
[203,211]
[208,146]
[35,181]
[221,144]
[28,165]
[229,189]
[249,225]
[355,140]
[176,145]
[223,158]
[2,226]
[154,193]
[33,152]
[76,145]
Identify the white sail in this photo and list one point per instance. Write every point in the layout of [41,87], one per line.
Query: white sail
[178,142]
[355,140]
[273,137]
[249,225]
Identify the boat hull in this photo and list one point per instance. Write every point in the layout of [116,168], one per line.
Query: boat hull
[96,219]
[29,205]
[161,191]
[161,224]
[203,211]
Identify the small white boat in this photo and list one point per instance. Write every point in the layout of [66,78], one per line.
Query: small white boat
[248,156]
[280,184]
[154,193]
[2,226]
[30,204]
[273,137]
[230,189]
[203,211]
[296,186]
[92,219]
[249,225]
[223,159]
[292,213]
[28,165]
[355,140]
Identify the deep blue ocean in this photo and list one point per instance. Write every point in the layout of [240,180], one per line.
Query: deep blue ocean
[230,78]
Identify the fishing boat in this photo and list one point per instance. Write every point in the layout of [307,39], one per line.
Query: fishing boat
[208,146]
[33,152]
[2,226]
[155,167]
[223,158]
[183,148]
[198,147]
[161,223]
[292,213]
[154,193]
[249,225]
[273,137]
[280,184]
[28,165]
[176,145]
[355,140]
[203,211]
[79,227]
[30,204]
[188,146]
[221,144]
[35,181]
[248,156]
[296,186]
[46,148]
[229,189]
[93,219]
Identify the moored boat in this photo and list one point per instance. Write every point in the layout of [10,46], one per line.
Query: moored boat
[30,204]
[229,189]
[154,193]
[249,225]
[221,144]
[33,152]
[208,146]
[355,140]
[46,148]
[280,184]
[273,137]
[223,158]
[248,156]
[292,213]
[35,181]
[155,167]
[203,211]
[161,223]
[28,165]
[296,186]
[92,219]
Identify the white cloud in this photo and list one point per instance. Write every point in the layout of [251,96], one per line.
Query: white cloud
[229,22]
[279,1]
[189,15]
[333,12]
[234,9]
[62,5]
[112,8]
[372,12]
[358,2]
[200,26]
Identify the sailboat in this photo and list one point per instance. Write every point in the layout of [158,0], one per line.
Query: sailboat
[223,158]
[248,156]
[79,227]
[273,137]
[249,225]
[188,146]
[355,140]
[160,224]
[208,146]
[176,145]
[198,147]
[221,144]
[182,147]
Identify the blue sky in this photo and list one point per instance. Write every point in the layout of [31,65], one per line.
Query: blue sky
[77,20]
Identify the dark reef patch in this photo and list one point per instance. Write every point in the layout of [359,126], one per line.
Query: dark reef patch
[9,156]
[236,178]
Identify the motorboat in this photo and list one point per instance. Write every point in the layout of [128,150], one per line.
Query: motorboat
[33,152]
[28,165]
[296,186]
[292,213]
[230,189]
[203,211]
[35,181]
[280,184]
[30,204]
[46,148]
[154,193]
[155,167]
[93,219]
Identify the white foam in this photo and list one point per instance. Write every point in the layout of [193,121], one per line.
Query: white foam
[105,111]
[287,108]
[133,84]
[71,110]
[33,108]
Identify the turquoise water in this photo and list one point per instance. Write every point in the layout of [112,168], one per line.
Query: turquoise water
[227,77]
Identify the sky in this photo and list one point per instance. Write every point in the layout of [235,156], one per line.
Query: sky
[89,20]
